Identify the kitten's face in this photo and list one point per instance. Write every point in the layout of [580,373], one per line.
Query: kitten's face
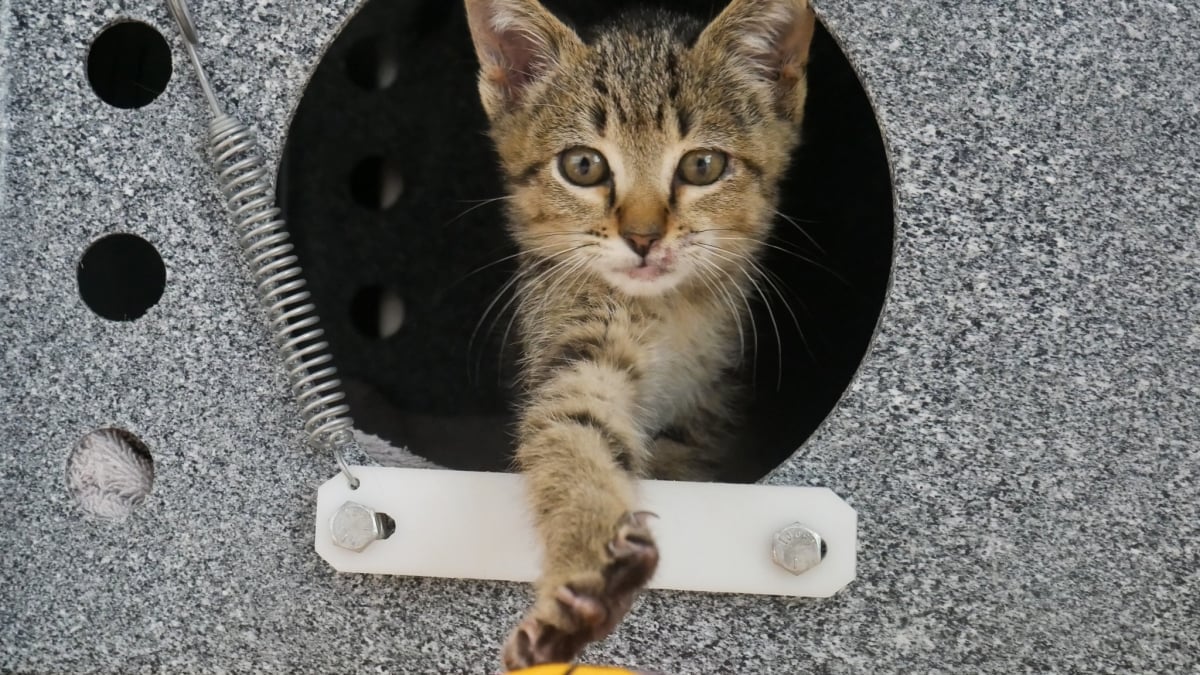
[648,156]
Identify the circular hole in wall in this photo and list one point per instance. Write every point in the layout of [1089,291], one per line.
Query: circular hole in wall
[121,276]
[373,63]
[446,385]
[377,312]
[376,183]
[109,473]
[129,64]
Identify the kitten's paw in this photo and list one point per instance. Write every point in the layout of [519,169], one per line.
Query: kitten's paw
[588,605]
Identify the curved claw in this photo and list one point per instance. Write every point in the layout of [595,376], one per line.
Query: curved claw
[588,607]
[640,517]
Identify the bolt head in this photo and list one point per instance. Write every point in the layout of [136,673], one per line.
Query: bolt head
[355,526]
[797,549]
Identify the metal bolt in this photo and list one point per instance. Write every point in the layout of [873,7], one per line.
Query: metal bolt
[355,526]
[797,549]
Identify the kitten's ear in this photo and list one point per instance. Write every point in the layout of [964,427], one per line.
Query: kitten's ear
[772,39]
[517,42]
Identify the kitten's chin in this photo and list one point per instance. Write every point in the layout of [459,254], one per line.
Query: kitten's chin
[644,281]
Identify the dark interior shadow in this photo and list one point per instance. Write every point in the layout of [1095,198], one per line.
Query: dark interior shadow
[385,183]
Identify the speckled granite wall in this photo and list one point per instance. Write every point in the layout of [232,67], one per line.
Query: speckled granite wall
[1021,442]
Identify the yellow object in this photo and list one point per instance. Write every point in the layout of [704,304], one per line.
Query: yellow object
[571,669]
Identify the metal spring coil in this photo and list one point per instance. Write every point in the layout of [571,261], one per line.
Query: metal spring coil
[280,286]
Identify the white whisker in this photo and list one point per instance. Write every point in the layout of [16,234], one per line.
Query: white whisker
[478,205]
[762,294]
[793,222]
[516,278]
[745,301]
[790,252]
[719,290]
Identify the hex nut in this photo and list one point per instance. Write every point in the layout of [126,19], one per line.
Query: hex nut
[355,526]
[797,549]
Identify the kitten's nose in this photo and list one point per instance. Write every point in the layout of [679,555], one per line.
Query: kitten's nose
[641,243]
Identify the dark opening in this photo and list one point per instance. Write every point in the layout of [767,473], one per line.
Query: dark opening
[376,183]
[377,312]
[373,63]
[129,64]
[121,276]
[442,385]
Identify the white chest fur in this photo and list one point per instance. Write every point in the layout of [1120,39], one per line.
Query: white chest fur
[689,350]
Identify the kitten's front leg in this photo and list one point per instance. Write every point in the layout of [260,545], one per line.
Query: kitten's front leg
[578,444]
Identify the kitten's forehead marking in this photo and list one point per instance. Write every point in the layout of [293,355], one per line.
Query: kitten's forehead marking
[641,162]
[637,81]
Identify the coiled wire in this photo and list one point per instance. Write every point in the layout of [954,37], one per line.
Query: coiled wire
[280,286]
[278,278]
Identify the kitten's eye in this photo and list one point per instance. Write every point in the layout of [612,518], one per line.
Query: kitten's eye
[582,166]
[702,167]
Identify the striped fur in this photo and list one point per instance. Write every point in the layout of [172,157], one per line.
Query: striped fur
[627,360]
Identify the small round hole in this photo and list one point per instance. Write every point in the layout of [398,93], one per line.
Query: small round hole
[376,183]
[377,312]
[373,64]
[129,64]
[109,473]
[121,276]
[388,525]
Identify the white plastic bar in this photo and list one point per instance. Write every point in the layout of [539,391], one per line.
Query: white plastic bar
[712,537]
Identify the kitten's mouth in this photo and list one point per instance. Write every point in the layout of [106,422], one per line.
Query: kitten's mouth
[649,276]
[651,267]
[646,271]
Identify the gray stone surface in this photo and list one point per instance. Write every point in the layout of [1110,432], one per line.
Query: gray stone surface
[1021,442]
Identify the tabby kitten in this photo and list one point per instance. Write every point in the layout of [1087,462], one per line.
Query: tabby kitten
[642,166]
